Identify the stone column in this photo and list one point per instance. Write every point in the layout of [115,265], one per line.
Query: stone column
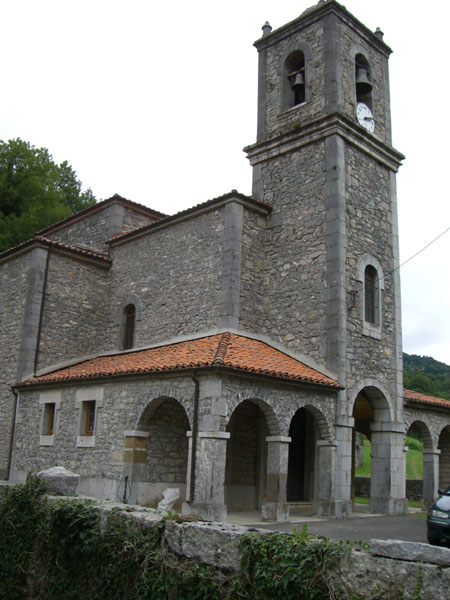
[387,484]
[430,477]
[324,503]
[135,463]
[275,507]
[209,483]
[343,466]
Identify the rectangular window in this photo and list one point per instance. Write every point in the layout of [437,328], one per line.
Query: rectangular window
[50,403]
[89,417]
[89,402]
[49,418]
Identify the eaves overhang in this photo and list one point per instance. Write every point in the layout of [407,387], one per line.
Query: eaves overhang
[72,252]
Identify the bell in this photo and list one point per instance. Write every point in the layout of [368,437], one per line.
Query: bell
[363,85]
[297,81]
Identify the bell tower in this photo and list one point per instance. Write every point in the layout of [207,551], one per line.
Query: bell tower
[324,160]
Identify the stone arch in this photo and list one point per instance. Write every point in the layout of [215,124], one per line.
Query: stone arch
[272,419]
[372,414]
[422,424]
[147,406]
[444,458]
[249,425]
[378,397]
[158,450]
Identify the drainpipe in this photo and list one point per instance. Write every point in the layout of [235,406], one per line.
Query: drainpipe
[12,433]
[194,440]
[41,314]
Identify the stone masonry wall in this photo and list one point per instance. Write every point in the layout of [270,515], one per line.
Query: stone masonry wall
[133,220]
[175,273]
[14,279]
[122,407]
[90,231]
[369,231]
[76,312]
[94,230]
[252,271]
[295,277]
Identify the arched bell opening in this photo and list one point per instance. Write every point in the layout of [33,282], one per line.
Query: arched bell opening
[294,79]
[161,457]
[363,80]
[246,462]
[444,458]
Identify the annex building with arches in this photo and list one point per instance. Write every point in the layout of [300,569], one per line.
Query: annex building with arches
[236,349]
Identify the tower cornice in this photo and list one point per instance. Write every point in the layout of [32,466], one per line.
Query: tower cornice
[330,124]
[317,13]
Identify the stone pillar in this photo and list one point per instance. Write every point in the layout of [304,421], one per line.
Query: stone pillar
[209,483]
[387,484]
[135,462]
[324,503]
[275,507]
[430,477]
[343,466]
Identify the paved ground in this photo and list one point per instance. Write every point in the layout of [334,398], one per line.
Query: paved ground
[408,528]
[360,527]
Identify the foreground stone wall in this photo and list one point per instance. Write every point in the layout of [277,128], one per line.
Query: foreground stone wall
[396,569]
[414,488]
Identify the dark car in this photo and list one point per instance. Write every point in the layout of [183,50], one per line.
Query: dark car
[438,520]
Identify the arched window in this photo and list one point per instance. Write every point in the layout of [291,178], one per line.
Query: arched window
[370,294]
[363,80]
[129,323]
[371,285]
[294,79]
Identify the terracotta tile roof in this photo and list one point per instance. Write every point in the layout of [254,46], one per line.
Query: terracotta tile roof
[223,350]
[59,246]
[411,396]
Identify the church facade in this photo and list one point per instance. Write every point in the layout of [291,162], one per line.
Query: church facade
[233,350]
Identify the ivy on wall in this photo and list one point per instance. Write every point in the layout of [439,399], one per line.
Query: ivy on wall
[63,549]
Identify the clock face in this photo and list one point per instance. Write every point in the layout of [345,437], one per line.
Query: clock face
[365,117]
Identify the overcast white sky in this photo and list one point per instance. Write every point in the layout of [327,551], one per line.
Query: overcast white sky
[155,101]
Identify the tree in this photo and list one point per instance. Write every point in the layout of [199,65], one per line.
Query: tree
[35,192]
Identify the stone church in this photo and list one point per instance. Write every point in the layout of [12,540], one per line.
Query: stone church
[235,349]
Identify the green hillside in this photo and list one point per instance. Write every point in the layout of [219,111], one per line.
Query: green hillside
[426,375]
[414,463]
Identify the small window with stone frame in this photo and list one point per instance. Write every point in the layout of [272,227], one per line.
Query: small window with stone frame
[89,417]
[49,418]
[129,326]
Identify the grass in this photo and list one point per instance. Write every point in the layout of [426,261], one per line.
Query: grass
[414,463]
[411,503]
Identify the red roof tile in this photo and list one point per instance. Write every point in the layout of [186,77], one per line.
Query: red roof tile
[223,350]
[411,396]
[58,246]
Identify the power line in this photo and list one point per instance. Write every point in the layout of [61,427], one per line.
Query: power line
[408,259]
